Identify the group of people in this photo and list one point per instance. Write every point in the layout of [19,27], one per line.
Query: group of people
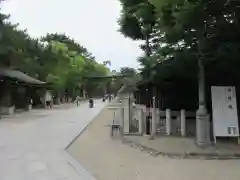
[108,96]
[91,103]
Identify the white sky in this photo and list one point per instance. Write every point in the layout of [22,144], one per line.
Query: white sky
[92,23]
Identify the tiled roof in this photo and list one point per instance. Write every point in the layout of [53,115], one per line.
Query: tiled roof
[18,75]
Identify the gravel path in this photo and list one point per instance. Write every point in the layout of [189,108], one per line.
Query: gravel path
[109,159]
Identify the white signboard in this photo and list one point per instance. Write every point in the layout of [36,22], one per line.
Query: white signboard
[48,96]
[224,106]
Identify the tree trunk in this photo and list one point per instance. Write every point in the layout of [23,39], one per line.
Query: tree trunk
[202,121]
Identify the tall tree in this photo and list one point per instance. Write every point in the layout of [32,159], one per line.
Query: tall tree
[205,29]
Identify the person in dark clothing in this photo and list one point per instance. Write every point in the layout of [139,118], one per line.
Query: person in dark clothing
[90,102]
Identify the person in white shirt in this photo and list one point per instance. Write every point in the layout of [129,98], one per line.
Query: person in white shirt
[78,100]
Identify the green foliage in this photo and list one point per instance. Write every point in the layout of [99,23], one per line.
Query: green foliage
[130,27]
[184,32]
[55,58]
[137,21]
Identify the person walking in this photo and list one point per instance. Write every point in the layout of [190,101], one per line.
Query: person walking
[78,100]
[48,99]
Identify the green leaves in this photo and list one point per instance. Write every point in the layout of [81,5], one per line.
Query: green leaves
[136,19]
[70,68]
[159,4]
[185,30]
[55,58]
[130,27]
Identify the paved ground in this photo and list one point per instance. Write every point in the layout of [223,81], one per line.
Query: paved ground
[32,144]
[109,159]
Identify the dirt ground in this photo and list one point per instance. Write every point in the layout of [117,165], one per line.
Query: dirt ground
[108,159]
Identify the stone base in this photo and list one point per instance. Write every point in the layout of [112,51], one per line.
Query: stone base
[202,127]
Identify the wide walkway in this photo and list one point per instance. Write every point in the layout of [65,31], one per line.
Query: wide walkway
[32,145]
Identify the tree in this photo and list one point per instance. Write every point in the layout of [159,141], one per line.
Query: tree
[105,63]
[63,38]
[186,35]
[137,21]
[56,58]
[204,30]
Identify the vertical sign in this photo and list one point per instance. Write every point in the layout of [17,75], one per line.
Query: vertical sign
[224,106]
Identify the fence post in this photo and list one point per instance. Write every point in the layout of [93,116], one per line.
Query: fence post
[153,133]
[121,109]
[183,122]
[168,122]
[140,125]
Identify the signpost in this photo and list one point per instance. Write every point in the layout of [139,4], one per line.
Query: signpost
[224,106]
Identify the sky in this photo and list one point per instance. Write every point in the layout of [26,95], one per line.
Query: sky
[92,23]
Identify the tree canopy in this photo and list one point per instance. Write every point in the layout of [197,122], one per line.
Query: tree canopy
[179,33]
[183,31]
[54,58]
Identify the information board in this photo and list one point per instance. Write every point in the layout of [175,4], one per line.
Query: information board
[224,106]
